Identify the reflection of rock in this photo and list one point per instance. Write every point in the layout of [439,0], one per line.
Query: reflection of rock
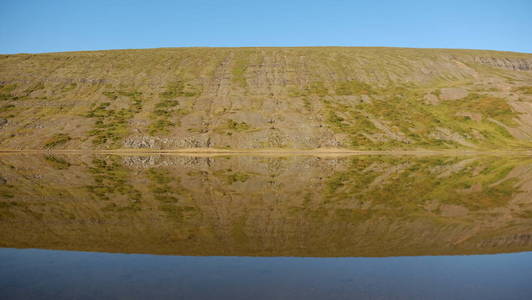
[2,180]
[514,240]
[153,142]
[3,122]
[141,161]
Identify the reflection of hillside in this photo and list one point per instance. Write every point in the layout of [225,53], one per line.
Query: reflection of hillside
[267,206]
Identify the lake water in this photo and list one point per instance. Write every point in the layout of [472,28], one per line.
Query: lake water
[265,227]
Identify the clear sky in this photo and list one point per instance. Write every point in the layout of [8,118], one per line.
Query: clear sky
[53,25]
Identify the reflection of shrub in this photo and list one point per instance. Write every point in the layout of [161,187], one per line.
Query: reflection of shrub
[5,96]
[7,107]
[111,95]
[237,177]
[57,163]
[317,88]
[524,89]
[35,87]
[69,87]
[178,213]
[111,179]
[6,92]
[56,140]
[8,88]
[231,177]
[6,194]
[237,126]
[167,104]
[164,187]
[336,120]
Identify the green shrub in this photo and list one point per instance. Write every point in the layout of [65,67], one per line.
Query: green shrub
[111,125]
[160,126]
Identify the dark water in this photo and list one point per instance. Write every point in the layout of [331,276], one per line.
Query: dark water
[263,227]
[66,275]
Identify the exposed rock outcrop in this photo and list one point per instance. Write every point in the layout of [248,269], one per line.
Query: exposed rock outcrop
[506,63]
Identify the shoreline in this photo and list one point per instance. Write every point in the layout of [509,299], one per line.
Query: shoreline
[212,151]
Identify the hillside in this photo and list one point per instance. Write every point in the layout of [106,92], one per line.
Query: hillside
[257,98]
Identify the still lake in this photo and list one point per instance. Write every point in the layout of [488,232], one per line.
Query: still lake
[265,227]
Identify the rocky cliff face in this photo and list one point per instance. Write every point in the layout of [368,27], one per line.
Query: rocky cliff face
[522,64]
[250,98]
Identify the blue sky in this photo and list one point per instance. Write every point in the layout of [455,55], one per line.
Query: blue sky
[52,25]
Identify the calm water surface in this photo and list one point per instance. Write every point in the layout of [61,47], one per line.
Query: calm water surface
[264,227]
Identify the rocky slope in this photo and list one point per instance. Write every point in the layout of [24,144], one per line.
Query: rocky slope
[254,98]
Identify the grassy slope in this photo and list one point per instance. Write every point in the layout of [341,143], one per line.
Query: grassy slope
[249,98]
